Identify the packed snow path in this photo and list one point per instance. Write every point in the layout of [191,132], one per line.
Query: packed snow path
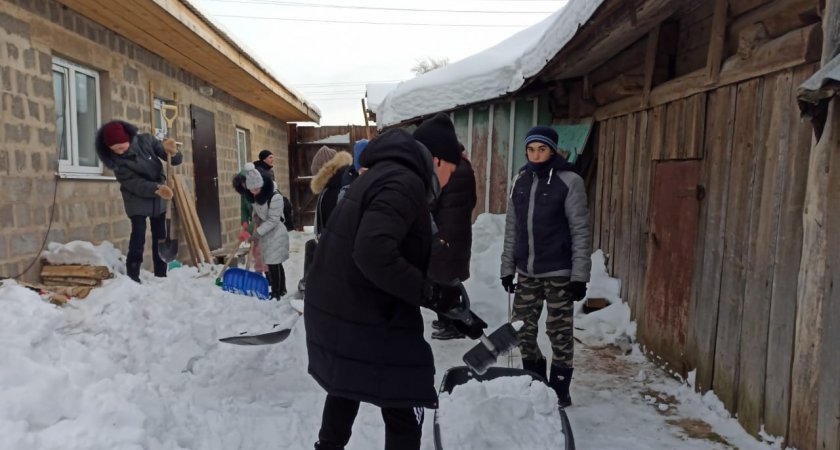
[139,367]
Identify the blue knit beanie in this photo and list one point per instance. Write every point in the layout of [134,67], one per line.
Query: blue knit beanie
[542,134]
[357,152]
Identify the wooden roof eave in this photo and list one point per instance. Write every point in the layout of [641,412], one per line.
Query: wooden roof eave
[179,33]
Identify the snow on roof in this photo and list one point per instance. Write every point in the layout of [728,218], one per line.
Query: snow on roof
[376,92]
[489,74]
[334,139]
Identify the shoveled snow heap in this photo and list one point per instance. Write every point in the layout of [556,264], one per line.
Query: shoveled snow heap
[506,413]
[85,253]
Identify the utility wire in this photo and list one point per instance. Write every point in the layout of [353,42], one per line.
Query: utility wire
[376,8]
[375,23]
[345,83]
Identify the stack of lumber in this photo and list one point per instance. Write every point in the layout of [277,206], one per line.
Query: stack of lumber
[72,280]
[196,240]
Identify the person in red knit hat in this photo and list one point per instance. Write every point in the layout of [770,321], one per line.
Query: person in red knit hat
[137,162]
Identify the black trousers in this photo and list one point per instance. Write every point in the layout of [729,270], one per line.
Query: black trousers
[276,280]
[137,241]
[403,426]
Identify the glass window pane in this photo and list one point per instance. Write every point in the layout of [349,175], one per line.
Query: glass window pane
[60,113]
[242,147]
[86,119]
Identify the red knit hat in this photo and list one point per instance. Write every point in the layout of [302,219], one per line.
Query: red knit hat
[114,133]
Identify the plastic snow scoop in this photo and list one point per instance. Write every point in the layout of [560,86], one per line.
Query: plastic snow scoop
[459,375]
[168,247]
[230,257]
[272,337]
[245,282]
[485,353]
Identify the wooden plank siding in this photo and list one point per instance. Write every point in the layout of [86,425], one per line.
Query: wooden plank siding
[781,327]
[704,311]
[500,146]
[479,155]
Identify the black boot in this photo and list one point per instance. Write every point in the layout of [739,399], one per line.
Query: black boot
[160,267]
[560,379]
[321,446]
[535,365]
[132,269]
[450,332]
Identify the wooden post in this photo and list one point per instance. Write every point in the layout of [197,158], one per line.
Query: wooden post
[367,126]
[650,62]
[814,278]
[716,41]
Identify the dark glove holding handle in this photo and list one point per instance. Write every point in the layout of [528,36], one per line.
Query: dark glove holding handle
[508,284]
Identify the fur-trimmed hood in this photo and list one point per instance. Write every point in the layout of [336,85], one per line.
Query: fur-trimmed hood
[105,154]
[321,179]
[265,193]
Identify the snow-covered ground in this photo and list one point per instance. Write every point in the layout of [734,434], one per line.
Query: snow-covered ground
[140,367]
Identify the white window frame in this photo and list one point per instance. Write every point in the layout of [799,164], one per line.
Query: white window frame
[70,166]
[239,153]
[162,131]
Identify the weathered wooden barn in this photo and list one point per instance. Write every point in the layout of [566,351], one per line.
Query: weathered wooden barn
[709,193]
[68,66]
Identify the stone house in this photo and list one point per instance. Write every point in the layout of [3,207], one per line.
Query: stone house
[68,66]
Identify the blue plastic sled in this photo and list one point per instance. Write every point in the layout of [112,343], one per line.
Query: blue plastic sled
[245,282]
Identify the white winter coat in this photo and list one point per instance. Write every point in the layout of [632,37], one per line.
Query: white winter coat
[270,231]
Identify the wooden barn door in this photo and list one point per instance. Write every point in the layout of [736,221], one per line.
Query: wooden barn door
[673,227]
[206,175]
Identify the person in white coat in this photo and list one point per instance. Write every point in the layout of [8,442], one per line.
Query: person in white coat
[270,231]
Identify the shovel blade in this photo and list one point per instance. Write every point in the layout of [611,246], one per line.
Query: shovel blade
[167,249]
[481,357]
[269,338]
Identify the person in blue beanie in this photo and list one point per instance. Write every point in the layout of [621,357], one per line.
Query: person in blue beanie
[548,245]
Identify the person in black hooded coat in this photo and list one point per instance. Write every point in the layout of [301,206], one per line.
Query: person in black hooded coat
[364,329]
[137,162]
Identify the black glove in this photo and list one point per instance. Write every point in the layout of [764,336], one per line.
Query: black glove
[474,329]
[577,289]
[442,298]
[508,284]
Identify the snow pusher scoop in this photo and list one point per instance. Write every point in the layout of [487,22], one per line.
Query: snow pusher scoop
[272,337]
[485,353]
[168,247]
[245,282]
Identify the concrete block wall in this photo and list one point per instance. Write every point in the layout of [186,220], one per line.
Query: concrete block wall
[32,32]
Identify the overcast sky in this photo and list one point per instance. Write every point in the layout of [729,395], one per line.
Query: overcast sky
[330,49]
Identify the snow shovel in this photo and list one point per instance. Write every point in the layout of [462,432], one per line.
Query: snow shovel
[245,282]
[229,260]
[272,337]
[168,247]
[485,353]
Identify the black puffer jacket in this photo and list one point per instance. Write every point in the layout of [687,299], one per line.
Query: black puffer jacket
[364,330]
[139,171]
[265,169]
[453,216]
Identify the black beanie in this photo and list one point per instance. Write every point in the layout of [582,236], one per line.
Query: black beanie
[264,154]
[438,135]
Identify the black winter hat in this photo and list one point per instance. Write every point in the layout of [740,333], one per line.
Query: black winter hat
[264,154]
[438,135]
[543,134]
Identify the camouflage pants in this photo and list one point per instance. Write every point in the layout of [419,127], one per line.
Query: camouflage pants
[528,306]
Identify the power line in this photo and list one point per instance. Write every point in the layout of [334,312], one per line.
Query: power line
[353,22]
[346,83]
[376,8]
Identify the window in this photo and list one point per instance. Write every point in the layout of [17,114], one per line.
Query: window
[77,118]
[161,130]
[242,146]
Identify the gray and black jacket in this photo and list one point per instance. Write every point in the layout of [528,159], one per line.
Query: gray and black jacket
[139,171]
[547,229]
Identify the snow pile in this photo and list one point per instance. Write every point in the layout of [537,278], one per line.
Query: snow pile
[611,325]
[489,74]
[85,253]
[501,414]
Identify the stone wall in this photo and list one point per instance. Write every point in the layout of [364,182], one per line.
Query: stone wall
[32,32]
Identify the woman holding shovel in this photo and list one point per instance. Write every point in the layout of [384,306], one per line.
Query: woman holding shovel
[269,231]
[136,159]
